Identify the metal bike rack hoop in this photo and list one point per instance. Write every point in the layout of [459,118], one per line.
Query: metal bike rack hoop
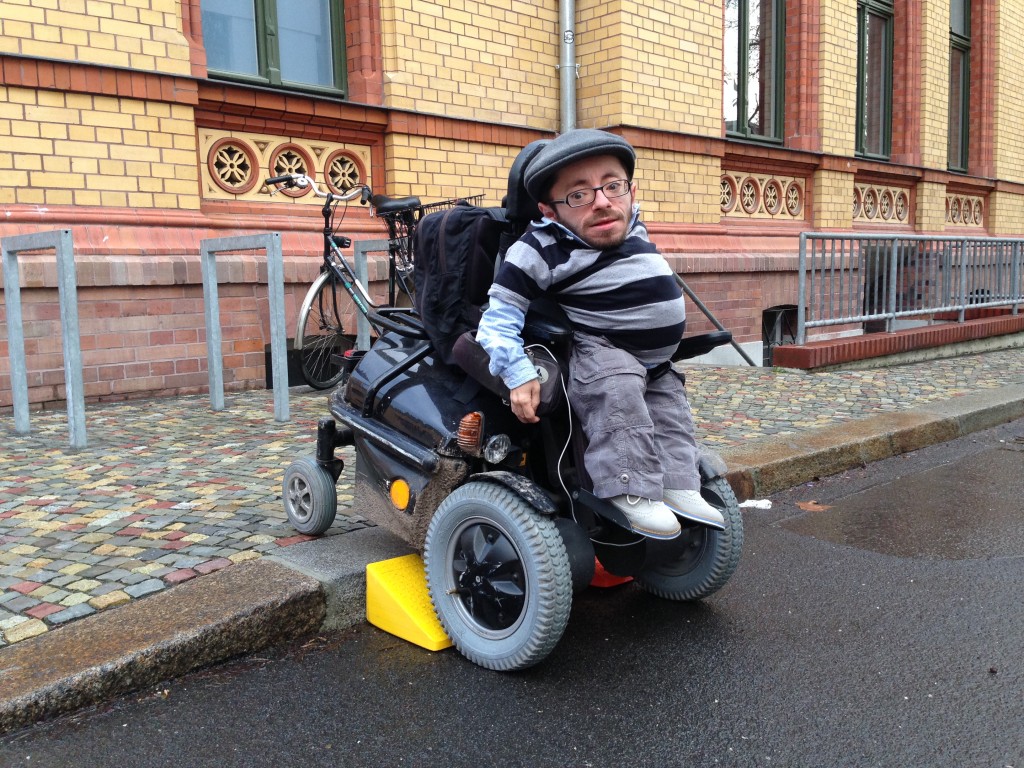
[271,243]
[59,240]
[361,248]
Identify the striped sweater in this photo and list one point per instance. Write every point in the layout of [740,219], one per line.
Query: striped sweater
[628,294]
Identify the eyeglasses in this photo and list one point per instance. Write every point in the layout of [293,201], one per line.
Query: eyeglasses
[581,197]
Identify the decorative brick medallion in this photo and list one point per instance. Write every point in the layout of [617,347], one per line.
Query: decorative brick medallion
[881,204]
[761,196]
[236,164]
[232,166]
[965,210]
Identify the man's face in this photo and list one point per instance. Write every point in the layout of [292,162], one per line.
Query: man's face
[603,223]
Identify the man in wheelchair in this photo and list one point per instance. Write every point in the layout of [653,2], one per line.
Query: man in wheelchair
[591,254]
[501,508]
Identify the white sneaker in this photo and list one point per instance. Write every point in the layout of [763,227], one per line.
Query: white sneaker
[649,517]
[689,505]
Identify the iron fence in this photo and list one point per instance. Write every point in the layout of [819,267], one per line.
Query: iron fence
[876,280]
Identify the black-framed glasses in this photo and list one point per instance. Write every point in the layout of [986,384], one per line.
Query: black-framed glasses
[581,197]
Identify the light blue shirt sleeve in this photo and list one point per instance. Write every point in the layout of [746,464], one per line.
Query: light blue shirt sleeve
[500,334]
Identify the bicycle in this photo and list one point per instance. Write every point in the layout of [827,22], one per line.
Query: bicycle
[320,338]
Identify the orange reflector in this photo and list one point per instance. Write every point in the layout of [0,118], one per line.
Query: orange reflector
[471,432]
[400,494]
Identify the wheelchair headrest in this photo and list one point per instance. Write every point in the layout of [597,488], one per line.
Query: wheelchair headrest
[520,208]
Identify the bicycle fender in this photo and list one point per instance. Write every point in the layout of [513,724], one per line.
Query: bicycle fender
[307,302]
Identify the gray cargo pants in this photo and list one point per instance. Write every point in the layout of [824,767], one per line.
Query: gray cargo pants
[640,432]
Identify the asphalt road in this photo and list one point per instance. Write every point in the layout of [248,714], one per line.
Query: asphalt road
[875,620]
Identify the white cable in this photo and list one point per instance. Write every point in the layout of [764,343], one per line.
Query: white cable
[568,440]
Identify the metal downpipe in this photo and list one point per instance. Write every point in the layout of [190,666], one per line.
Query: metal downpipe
[567,66]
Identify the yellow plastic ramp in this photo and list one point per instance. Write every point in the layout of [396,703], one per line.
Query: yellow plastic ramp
[398,602]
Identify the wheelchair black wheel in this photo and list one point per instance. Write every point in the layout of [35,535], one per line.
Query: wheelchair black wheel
[707,558]
[320,336]
[498,576]
[310,497]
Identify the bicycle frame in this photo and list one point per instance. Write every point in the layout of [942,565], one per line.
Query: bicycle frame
[336,265]
[401,226]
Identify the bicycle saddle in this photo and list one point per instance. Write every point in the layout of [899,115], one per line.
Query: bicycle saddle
[385,204]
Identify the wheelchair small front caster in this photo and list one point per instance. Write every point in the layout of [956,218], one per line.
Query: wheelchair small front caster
[310,497]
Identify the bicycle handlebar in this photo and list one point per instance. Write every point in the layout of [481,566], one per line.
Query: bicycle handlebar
[301,180]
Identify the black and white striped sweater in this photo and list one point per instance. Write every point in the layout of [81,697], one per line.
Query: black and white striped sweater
[627,294]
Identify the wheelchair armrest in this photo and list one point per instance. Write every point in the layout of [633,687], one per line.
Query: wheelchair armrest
[401,320]
[701,344]
[473,359]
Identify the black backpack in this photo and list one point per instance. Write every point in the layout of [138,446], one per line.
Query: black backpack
[455,256]
[455,253]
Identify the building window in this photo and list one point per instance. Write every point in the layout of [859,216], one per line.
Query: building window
[959,82]
[753,69]
[874,78]
[296,43]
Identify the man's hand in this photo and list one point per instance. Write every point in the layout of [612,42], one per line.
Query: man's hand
[525,400]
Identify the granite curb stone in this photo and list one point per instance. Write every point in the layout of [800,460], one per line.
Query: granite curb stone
[232,612]
[339,565]
[761,468]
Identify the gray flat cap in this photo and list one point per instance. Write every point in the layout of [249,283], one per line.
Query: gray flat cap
[568,148]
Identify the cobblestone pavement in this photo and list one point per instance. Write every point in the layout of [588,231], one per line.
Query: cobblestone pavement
[169,490]
[734,405]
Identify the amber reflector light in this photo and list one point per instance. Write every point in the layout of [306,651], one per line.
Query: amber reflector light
[471,431]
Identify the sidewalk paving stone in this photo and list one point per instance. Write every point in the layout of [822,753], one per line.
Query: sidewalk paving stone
[77,611]
[146,587]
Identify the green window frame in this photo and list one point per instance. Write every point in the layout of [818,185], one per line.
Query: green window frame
[959,83]
[874,78]
[754,71]
[280,43]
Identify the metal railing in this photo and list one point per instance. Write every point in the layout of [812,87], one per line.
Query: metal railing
[847,279]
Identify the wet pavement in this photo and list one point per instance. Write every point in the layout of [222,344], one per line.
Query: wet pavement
[969,509]
[168,490]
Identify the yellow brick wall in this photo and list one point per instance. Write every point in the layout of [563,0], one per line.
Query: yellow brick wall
[673,187]
[837,76]
[136,34]
[930,213]
[490,60]
[75,149]
[653,65]
[1005,214]
[934,127]
[1009,107]
[436,169]
[833,200]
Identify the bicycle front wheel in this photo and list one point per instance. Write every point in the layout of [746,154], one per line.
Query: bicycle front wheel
[320,339]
